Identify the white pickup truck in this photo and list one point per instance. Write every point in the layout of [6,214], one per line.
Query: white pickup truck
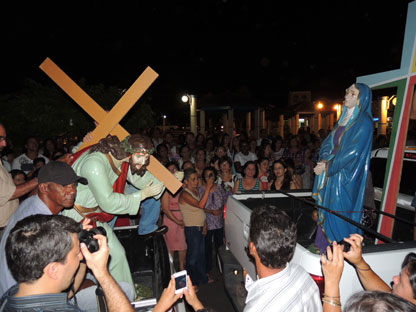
[385,259]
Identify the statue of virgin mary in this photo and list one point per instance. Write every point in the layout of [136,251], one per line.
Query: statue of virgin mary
[342,169]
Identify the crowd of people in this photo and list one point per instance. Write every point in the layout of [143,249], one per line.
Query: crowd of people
[214,167]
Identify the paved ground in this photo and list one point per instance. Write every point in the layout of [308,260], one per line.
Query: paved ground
[213,295]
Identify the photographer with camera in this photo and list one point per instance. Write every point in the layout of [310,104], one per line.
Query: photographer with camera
[403,285]
[43,254]
[57,188]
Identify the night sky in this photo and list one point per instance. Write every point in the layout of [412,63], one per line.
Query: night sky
[267,48]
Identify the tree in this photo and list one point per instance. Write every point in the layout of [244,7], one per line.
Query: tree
[46,111]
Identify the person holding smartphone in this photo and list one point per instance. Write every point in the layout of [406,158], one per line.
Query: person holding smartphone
[192,209]
[169,297]
[214,210]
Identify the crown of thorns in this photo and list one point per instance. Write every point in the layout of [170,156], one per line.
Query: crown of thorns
[141,150]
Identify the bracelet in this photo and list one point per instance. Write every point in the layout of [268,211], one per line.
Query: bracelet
[332,302]
[331,297]
[360,269]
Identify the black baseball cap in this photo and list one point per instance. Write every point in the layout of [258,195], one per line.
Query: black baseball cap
[59,172]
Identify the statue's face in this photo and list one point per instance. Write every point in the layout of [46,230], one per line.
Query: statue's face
[141,148]
[351,96]
[138,163]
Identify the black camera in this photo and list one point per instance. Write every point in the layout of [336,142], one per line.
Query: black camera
[87,238]
[345,244]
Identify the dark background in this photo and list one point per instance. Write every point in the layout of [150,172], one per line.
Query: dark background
[263,48]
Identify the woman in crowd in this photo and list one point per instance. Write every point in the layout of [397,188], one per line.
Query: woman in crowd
[187,164]
[209,149]
[280,177]
[214,209]
[265,150]
[173,150]
[378,295]
[253,146]
[214,162]
[296,178]
[249,180]
[226,143]
[19,177]
[220,151]
[200,162]
[278,149]
[295,153]
[226,177]
[192,209]
[49,148]
[308,176]
[175,237]
[185,153]
[200,141]
[235,146]
[162,154]
[263,164]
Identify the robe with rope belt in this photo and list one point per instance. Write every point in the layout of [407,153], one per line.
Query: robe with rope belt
[97,168]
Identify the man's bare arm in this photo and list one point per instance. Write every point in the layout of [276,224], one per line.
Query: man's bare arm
[24,188]
[97,262]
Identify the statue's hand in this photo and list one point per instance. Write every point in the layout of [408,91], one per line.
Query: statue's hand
[179,175]
[152,190]
[320,167]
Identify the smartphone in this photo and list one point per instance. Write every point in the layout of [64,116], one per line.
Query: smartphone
[180,281]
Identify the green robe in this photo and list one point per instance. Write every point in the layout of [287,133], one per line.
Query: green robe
[99,192]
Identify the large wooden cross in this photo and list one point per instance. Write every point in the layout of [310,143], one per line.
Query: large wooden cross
[108,123]
[405,81]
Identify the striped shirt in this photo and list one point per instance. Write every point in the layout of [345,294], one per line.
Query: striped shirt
[292,289]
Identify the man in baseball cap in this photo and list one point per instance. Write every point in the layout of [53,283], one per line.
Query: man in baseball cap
[57,188]
[60,173]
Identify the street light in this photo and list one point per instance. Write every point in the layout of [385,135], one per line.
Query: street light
[164,124]
[319,106]
[338,108]
[191,99]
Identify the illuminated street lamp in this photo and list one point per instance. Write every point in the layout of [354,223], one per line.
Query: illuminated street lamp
[190,98]
[319,107]
[338,108]
[164,123]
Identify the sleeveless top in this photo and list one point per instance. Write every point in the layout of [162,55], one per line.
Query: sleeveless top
[241,187]
[192,216]
[285,186]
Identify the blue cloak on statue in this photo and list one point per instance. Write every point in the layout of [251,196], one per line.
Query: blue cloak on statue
[341,186]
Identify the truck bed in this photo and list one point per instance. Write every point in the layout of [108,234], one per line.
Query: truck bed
[384,259]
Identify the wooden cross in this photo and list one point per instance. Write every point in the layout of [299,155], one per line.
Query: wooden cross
[108,123]
[405,80]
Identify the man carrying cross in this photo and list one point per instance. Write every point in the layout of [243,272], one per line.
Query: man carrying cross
[107,166]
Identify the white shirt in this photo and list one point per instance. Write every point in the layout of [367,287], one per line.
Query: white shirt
[25,164]
[292,289]
[244,158]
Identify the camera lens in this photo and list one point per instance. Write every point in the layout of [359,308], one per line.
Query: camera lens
[87,237]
